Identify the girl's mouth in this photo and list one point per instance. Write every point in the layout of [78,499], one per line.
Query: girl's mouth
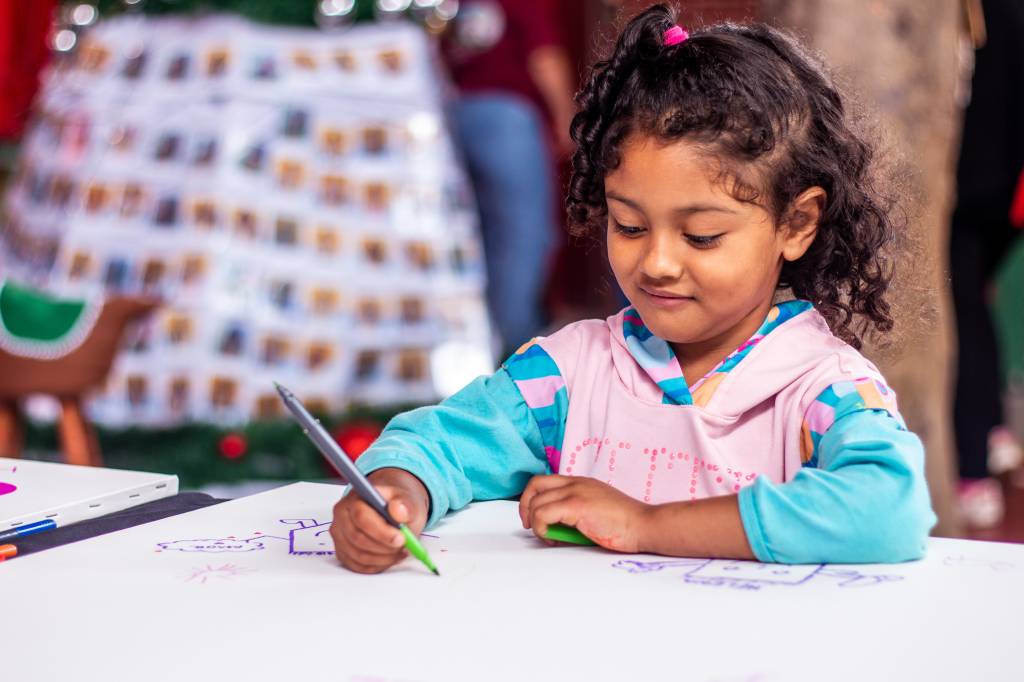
[666,299]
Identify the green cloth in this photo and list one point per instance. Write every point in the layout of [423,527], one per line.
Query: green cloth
[35,324]
[1009,313]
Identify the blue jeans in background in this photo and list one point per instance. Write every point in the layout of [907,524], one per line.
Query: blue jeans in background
[504,142]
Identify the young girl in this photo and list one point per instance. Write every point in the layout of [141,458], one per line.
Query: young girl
[705,419]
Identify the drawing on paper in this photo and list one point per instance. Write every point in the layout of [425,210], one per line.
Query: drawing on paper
[752,575]
[969,562]
[311,537]
[306,537]
[213,546]
[207,573]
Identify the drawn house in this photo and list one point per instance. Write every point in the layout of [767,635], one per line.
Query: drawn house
[310,537]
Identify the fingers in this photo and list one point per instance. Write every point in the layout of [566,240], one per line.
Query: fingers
[536,486]
[373,524]
[546,498]
[361,562]
[363,541]
[399,510]
[554,508]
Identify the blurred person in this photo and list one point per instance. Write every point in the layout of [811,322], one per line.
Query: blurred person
[991,159]
[512,72]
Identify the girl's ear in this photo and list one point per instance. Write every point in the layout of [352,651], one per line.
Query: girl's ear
[801,223]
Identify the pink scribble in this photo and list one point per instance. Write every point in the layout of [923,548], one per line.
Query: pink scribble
[226,572]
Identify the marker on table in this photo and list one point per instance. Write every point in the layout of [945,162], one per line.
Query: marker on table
[360,484]
[560,532]
[27,529]
[8,552]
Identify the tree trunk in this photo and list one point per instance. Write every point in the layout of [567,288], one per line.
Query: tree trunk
[900,59]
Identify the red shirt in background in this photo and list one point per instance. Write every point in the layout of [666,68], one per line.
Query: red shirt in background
[23,53]
[489,43]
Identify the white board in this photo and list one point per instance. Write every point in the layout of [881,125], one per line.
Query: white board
[33,491]
[239,591]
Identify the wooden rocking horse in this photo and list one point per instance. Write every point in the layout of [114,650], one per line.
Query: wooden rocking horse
[63,349]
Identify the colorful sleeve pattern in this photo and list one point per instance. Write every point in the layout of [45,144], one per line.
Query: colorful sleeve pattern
[543,388]
[837,401]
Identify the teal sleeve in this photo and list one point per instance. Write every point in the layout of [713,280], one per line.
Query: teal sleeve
[482,443]
[866,502]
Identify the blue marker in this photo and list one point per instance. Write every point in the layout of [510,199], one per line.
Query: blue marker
[27,529]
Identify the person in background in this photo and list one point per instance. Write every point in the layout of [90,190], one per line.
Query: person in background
[991,159]
[515,102]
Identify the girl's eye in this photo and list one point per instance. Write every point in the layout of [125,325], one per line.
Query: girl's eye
[702,242]
[628,230]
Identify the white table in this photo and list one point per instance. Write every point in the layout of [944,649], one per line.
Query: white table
[237,591]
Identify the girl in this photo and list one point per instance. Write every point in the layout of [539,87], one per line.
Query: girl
[704,420]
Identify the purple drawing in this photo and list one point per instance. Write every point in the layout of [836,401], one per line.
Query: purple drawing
[6,488]
[310,537]
[204,574]
[214,545]
[752,575]
[969,562]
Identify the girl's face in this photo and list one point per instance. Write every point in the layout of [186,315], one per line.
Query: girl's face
[698,265]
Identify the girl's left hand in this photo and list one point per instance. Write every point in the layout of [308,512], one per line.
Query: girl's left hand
[607,516]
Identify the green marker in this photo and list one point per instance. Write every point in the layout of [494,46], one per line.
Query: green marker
[360,484]
[561,533]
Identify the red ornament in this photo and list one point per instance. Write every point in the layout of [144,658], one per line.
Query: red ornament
[233,446]
[355,437]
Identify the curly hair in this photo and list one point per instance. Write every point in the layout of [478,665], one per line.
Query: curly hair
[754,99]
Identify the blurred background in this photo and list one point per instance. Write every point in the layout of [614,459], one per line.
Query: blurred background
[361,199]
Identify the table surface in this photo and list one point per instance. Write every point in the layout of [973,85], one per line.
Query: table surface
[249,589]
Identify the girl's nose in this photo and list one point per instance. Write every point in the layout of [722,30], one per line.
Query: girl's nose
[663,258]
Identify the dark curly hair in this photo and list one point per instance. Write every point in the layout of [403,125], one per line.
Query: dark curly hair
[757,101]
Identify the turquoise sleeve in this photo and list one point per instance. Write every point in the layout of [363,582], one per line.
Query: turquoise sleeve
[866,502]
[482,443]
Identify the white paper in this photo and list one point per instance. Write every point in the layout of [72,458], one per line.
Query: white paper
[32,491]
[240,591]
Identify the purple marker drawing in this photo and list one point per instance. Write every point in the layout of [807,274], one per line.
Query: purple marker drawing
[969,562]
[311,537]
[752,575]
[214,545]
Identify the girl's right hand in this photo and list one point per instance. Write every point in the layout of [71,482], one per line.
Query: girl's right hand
[363,541]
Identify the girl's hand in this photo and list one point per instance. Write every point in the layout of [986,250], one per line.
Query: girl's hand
[610,518]
[363,541]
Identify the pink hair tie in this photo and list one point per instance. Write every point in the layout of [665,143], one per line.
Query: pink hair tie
[675,35]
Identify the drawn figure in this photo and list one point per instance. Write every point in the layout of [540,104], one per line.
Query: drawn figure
[752,575]
[310,537]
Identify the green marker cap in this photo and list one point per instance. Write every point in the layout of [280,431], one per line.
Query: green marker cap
[562,533]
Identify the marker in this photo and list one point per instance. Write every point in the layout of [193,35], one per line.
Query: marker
[27,529]
[559,532]
[8,552]
[360,484]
